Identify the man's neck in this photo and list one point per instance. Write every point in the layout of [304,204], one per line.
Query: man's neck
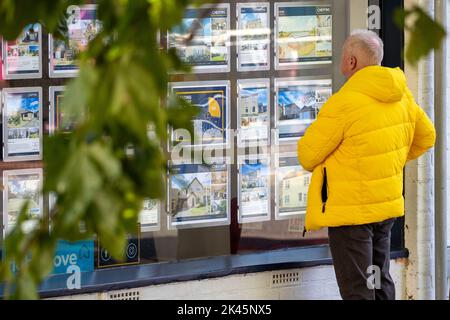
[360,68]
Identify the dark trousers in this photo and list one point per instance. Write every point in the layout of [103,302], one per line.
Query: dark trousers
[354,249]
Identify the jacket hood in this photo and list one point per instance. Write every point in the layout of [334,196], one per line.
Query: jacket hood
[387,85]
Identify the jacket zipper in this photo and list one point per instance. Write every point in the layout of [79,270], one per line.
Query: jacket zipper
[324,190]
[324,195]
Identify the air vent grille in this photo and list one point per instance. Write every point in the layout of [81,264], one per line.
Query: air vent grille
[285,279]
[124,295]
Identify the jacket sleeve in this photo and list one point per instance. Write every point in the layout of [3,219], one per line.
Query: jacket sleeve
[323,136]
[424,135]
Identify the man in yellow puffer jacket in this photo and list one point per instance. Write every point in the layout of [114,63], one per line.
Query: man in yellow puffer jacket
[357,149]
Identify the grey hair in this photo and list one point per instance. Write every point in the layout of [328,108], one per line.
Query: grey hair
[369,42]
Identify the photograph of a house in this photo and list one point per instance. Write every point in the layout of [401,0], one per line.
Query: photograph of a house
[255,191]
[298,104]
[292,184]
[201,41]
[23,119]
[201,195]
[21,189]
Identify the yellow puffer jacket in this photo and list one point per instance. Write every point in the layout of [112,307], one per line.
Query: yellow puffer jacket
[357,149]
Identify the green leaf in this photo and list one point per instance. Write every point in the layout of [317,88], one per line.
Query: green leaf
[26,287]
[104,158]
[180,113]
[425,33]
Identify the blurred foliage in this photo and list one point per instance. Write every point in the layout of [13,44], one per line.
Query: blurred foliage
[425,33]
[123,81]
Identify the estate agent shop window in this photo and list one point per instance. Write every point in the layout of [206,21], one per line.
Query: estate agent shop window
[260,73]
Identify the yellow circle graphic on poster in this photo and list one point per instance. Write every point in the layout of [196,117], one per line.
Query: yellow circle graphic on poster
[214,108]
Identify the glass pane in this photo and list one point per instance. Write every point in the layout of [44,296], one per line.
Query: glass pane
[261,71]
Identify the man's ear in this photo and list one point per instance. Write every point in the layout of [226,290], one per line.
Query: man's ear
[353,62]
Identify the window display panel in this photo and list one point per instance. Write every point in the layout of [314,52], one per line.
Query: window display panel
[149,216]
[132,252]
[254,188]
[22,124]
[209,48]
[253,109]
[211,124]
[292,182]
[303,34]
[297,104]
[22,58]
[61,120]
[253,40]
[198,195]
[68,254]
[21,187]
[82,28]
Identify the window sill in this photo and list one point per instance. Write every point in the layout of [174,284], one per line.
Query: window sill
[196,269]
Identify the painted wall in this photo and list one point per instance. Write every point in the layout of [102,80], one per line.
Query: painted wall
[318,283]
